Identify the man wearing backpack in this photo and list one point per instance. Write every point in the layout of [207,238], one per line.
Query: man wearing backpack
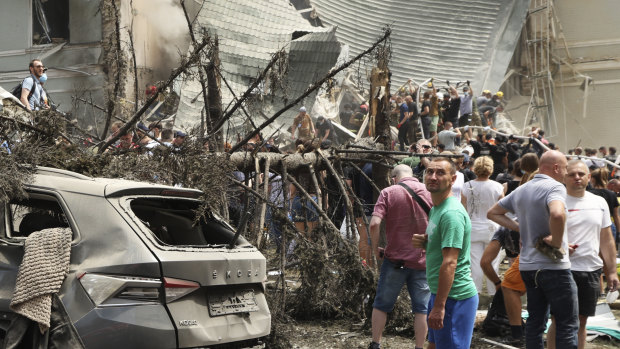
[404,207]
[32,94]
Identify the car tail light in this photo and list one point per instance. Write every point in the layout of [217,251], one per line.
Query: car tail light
[115,290]
[176,288]
[140,293]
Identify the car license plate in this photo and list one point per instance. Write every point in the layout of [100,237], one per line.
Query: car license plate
[232,303]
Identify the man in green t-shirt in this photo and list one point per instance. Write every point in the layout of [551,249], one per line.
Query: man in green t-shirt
[454,298]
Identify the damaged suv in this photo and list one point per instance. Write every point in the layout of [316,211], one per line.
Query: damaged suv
[143,272]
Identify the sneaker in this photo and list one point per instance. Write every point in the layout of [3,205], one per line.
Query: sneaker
[374,345]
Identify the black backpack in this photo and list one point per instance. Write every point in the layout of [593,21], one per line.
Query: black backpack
[17,90]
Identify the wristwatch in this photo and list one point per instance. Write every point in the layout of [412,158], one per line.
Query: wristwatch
[499,282]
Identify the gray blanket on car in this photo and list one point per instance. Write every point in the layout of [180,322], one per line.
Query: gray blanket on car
[41,273]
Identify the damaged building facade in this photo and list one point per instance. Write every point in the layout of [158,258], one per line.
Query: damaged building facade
[67,36]
[87,49]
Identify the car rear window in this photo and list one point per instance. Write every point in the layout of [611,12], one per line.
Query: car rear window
[174,222]
[37,212]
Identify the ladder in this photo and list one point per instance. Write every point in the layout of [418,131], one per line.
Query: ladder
[539,36]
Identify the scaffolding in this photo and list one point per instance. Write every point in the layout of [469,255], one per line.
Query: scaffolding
[539,35]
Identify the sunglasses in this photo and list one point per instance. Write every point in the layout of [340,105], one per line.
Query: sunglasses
[426,147]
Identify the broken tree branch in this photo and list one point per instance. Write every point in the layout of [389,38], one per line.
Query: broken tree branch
[260,197]
[315,182]
[394,152]
[246,94]
[201,74]
[285,186]
[372,183]
[376,162]
[312,202]
[340,184]
[133,61]
[194,55]
[117,76]
[309,90]
[33,128]
[263,208]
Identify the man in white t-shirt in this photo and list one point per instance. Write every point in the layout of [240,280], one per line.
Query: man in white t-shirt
[588,227]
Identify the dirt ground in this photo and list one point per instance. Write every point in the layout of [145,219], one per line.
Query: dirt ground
[337,334]
[340,335]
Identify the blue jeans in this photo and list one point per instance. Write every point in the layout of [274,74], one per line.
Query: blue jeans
[458,323]
[557,290]
[302,210]
[391,281]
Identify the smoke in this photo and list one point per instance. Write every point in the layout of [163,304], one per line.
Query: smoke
[160,34]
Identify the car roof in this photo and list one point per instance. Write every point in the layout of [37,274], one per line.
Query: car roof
[63,180]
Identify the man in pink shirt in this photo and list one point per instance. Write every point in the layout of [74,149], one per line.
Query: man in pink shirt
[402,263]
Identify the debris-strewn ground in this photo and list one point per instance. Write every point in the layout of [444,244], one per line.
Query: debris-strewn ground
[340,334]
[347,333]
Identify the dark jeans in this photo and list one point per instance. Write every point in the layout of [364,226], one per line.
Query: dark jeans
[402,135]
[557,290]
[274,226]
[413,130]
[465,120]
[426,124]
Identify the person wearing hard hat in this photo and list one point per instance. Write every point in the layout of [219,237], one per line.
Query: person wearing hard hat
[496,100]
[484,98]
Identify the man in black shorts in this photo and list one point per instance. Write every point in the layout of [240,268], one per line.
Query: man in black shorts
[588,226]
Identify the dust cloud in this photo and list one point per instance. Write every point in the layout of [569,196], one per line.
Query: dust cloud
[160,35]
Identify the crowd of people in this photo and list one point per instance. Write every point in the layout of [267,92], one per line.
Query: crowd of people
[555,218]
[463,202]
[458,206]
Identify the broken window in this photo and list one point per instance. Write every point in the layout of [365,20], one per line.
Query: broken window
[50,21]
[173,222]
[37,212]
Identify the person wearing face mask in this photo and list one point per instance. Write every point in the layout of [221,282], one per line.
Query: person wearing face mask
[32,83]
[324,130]
[44,99]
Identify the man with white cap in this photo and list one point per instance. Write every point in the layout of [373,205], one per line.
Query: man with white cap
[303,123]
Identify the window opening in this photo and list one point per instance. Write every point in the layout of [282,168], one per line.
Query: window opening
[50,21]
[34,214]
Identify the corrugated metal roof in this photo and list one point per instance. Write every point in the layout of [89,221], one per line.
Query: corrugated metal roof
[450,40]
[249,33]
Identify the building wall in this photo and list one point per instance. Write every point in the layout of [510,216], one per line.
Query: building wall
[75,69]
[591,30]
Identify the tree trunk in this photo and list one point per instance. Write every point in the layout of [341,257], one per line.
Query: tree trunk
[214,96]
[380,111]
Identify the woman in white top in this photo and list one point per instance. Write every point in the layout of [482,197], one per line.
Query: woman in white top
[478,196]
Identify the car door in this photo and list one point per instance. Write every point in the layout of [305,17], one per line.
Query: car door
[18,219]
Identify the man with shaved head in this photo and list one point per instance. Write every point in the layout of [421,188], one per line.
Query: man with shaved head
[589,236]
[540,206]
[404,207]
